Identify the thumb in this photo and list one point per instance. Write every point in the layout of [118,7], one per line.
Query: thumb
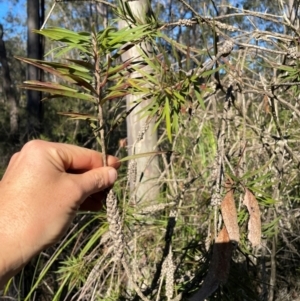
[97,179]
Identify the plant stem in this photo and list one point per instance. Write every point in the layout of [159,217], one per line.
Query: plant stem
[98,86]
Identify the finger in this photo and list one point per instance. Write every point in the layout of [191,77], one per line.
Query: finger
[75,157]
[63,156]
[79,158]
[113,161]
[94,180]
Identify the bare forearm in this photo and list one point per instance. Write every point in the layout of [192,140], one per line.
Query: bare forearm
[9,263]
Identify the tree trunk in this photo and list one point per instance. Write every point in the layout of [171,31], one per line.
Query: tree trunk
[35,11]
[143,184]
[7,87]
[141,138]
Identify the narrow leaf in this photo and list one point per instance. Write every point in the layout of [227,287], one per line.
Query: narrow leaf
[71,73]
[229,215]
[78,81]
[83,64]
[167,113]
[56,90]
[116,69]
[79,116]
[139,85]
[254,223]
[148,154]
[152,79]
[122,118]
[65,35]
[115,94]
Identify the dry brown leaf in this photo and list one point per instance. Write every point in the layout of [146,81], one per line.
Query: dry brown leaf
[266,104]
[219,267]
[229,215]
[254,223]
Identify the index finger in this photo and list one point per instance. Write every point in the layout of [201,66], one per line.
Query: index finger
[79,158]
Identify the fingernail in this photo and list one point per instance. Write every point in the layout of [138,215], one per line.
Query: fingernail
[112,174]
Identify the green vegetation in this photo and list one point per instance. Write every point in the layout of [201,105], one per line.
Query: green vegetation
[223,94]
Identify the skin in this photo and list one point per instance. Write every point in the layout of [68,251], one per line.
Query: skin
[45,184]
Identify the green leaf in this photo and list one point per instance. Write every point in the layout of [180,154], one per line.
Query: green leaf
[175,122]
[148,154]
[66,49]
[152,79]
[138,84]
[65,35]
[116,69]
[211,71]
[103,34]
[121,37]
[115,94]
[286,68]
[271,228]
[167,114]
[72,40]
[252,173]
[200,99]
[88,66]
[179,96]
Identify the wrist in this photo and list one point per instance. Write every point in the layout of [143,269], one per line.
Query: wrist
[13,240]
[10,264]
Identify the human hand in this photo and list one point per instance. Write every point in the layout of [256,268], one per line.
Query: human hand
[42,189]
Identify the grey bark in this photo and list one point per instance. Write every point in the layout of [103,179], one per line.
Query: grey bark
[7,87]
[144,184]
[141,138]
